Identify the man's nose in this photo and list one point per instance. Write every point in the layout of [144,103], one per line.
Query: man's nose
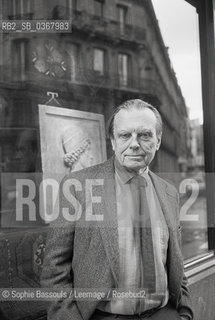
[134,143]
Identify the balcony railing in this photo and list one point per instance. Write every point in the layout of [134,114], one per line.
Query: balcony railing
[21,16]
[110,28]
[91,78]
[81,76]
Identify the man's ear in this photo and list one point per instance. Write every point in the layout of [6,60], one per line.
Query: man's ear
[158,142]
[113,143]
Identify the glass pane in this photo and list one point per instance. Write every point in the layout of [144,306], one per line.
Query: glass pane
[74,4]
[123,69]
[187,136]
[26,6]
[17,7]
[98,8]
[122,13]
[58,69]
[72,64]
[98,62]
[20,59]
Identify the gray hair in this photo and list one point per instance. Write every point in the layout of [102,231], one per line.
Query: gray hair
[135,104]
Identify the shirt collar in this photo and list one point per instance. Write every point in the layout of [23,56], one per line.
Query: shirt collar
[126,175]
[144,171]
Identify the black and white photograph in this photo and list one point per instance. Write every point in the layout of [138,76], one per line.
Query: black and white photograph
[107,159]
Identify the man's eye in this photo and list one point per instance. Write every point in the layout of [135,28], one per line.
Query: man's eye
[145,135]
[125,136]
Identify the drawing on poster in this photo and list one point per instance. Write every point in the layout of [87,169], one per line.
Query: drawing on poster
[70,140]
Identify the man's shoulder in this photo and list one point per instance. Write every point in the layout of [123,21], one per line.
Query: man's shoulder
[170,188]
[93,171]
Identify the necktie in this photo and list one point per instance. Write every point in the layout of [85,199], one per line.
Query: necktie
[144,229]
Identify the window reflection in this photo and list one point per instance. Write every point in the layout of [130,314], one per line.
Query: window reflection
[122,15]
[99,61]
[20,58]
[99,8]
[73,51]
[23,163]
[193,216]
[107,58]
[123,69]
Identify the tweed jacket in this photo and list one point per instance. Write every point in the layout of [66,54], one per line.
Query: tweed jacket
[86,255]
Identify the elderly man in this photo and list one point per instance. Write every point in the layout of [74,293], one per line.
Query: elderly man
[136,246]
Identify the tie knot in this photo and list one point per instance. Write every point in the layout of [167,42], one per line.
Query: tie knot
[140,181]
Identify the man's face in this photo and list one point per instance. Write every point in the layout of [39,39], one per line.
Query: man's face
[135,140]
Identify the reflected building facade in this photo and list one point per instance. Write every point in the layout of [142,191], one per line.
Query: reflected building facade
[114,52]
[197,145]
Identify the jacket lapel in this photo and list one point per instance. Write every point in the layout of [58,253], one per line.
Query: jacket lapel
[163,191]
[169,205]
[109,227]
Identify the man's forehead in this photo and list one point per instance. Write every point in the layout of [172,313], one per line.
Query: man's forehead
[138,129]
[138,118]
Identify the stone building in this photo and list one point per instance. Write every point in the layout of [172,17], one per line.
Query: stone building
[114,52]
[197,146]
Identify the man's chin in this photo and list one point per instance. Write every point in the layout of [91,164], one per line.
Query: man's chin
[134,165]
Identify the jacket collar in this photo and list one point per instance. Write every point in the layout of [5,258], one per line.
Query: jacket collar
[123,173]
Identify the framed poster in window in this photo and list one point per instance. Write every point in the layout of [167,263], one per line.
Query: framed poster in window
[70,140]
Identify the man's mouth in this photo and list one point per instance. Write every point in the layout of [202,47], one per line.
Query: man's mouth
[135,156]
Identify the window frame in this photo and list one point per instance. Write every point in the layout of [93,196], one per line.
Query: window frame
[122,24]
[129,70]
[102,11]
[104,62]
[206,17]
[74,76]
[20,10]
[74,4]
[20,53]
